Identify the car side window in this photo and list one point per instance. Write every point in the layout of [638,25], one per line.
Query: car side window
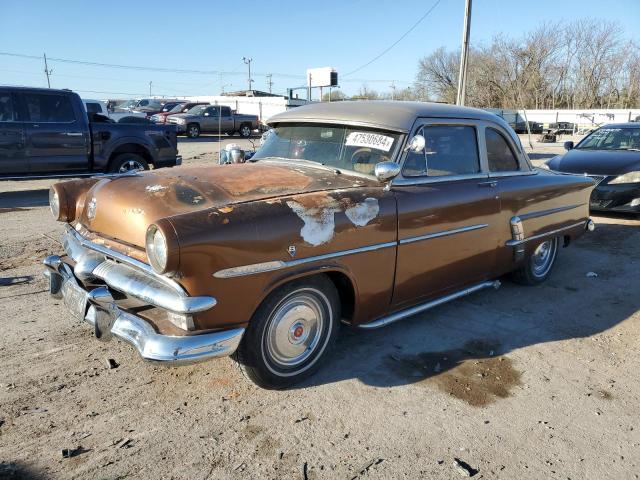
[6,108]
[226,111]
[499,154]
[49,107]
[450,150]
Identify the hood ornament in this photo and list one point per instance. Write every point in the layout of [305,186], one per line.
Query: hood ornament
[292,250]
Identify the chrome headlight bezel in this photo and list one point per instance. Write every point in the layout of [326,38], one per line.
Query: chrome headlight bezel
[157,249]
[54,203]
[626,178]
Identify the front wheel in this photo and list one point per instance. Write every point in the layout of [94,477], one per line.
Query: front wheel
[193,130]
[291,333]
[539,264]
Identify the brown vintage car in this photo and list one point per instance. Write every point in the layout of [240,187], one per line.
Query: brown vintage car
[356,212]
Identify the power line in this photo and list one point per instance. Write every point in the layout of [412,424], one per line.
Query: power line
[189,71]
[396,42]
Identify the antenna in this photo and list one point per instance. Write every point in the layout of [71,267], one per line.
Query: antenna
[47,72]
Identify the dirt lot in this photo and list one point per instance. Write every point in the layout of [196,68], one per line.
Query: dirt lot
[516,383]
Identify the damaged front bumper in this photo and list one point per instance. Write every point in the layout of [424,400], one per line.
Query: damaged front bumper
[97,283]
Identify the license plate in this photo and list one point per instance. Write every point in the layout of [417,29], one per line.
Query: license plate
[75,299]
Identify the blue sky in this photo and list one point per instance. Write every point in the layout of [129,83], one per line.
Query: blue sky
[284,38]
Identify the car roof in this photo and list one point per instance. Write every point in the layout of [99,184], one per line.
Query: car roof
[386,114]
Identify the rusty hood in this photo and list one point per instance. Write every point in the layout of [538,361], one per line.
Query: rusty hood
[123,207]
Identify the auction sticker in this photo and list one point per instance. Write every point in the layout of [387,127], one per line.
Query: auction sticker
[370,140]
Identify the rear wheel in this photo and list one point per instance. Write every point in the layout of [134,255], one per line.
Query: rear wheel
[128,162]
[193,130]
[245,130]
[291,333]
[538,266]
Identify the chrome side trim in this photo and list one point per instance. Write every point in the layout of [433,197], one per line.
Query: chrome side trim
[443,233]
[254,268]
[516,243]
[551,211]
[402,181]
[394,317]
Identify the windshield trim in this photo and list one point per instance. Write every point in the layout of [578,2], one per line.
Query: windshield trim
[310,163]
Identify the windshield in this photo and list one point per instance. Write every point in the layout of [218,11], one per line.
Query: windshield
[177,108]
[128,104]
[612,139]
[349,148]
[198,110]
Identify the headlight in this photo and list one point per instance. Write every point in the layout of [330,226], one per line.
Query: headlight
[59,203]
[631,177]
[54,203]
[157,251]
[162,247]
[180,120]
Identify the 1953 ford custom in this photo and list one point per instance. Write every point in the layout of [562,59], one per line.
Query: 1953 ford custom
[360,212]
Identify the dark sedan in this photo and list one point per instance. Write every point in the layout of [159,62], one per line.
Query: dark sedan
[611,156]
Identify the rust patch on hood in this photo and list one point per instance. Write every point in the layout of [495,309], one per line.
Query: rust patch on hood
[124,207]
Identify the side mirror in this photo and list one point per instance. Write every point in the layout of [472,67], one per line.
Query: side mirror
[416,144]
[385,171]
[568,145]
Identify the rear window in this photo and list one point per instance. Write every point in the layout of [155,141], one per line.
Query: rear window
[47,107]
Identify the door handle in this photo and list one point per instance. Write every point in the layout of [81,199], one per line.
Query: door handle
[490,184]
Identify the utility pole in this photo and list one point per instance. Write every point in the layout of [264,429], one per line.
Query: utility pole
[269,81]
[464,54]
[150,82]
[47,72]
[393,89]
[248,61]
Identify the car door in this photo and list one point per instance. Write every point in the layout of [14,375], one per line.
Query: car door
[56,134]
[210,119]
[447,213]
[226,119]
[12,151]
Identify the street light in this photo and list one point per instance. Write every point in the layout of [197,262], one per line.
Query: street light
[247,61]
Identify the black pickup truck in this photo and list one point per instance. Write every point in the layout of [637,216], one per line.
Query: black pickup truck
[47,133]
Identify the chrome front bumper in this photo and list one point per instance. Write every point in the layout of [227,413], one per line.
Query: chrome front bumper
[89,288]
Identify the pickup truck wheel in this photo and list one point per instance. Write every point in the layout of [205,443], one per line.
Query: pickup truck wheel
[245,131]
[538,266]
[291,333]
[193,130]
[127,162]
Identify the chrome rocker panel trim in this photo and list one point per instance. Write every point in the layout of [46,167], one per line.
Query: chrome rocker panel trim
[408,312]
[108,320]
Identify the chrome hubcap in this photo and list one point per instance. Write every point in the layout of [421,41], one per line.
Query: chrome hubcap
[193,131]
[130,165]
[542,257]
[295,329]
[245,131]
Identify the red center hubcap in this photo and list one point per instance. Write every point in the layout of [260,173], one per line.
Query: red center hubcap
[298,331]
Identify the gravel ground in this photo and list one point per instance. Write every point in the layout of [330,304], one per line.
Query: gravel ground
[516,383]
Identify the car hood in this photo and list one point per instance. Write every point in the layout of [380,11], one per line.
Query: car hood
[596,162]
[123,207]
[183,115]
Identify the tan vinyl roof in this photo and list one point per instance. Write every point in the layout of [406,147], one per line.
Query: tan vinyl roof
[392,115]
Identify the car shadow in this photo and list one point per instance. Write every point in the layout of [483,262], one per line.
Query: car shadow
[24,199]
[458,344]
